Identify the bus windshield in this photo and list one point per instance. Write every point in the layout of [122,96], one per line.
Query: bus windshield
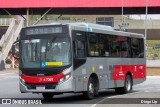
[41,53]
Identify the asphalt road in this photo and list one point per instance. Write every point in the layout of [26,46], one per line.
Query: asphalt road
[9,88]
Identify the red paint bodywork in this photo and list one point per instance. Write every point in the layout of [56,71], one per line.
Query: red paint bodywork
[119,72]
[137,71]
[42,79]
[75,3]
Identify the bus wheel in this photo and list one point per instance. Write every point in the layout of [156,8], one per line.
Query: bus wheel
[48,96]
[127,86]
[89,94]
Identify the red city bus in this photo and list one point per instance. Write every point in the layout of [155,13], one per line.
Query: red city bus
[79,58]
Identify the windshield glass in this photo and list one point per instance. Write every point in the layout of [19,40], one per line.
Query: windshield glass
[38,53]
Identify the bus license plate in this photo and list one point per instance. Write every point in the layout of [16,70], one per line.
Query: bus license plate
[40,87]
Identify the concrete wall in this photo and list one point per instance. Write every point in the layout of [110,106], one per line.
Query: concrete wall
[153,63]
[140,24]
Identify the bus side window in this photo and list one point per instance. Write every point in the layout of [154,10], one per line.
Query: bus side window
[79,49]
[116,46]
[141,48]
[125,48]
[93,46]
[137,47]
[104,45]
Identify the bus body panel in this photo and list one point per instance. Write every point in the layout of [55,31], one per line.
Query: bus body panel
[110,78]
[111,72]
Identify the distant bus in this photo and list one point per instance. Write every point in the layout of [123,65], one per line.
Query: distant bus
[79,58]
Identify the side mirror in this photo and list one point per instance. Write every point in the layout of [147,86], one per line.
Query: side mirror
[15,50]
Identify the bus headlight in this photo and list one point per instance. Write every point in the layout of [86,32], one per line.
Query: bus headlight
[22,80]
[66,77]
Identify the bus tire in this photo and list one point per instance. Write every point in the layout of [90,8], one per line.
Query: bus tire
[48,96]
[127,86]
[89,94]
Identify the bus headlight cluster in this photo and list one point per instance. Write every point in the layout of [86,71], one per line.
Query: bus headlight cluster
[22,80]
[66,77]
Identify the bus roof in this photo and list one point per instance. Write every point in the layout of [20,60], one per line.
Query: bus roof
[106,28]
[82,24]
[94,26]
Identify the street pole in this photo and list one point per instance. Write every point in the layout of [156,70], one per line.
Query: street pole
[27,19]
[122,18]
[145,22]
[122,11]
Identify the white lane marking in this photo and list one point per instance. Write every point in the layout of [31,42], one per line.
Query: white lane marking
[7,74]
[112,97]
[124,94]
[153,76]
[93,105]
[146,91]
[145,88]
[8,77]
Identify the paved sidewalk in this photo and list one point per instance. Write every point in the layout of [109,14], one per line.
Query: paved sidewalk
[9,71]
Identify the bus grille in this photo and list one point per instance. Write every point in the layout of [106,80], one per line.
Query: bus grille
[47,86]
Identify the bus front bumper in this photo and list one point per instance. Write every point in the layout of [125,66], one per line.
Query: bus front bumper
[66,86]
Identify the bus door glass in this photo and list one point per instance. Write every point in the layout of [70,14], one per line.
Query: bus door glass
[79,48]
[79,54]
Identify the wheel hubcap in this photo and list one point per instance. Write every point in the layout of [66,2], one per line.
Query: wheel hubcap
[91,88]
[128,84]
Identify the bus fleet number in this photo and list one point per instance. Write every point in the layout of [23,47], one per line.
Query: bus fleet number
[48,79]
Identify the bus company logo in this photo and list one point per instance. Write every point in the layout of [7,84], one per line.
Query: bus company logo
[6,101]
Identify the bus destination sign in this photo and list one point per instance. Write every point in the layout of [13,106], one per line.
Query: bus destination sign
[43,30]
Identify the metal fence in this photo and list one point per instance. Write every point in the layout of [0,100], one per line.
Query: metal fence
[5,21]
